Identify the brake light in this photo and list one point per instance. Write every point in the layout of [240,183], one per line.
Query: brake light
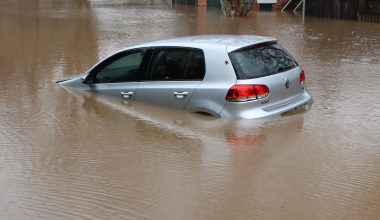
[302,78]
[244,93]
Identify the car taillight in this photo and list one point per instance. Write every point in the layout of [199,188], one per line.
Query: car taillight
[302,78]
[244,93]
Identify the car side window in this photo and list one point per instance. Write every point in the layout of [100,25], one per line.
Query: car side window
[174,64]
[123,67]
[196,67]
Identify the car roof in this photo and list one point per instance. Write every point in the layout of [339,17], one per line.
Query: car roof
[230,42]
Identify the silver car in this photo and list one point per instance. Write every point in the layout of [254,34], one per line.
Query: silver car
[225,75]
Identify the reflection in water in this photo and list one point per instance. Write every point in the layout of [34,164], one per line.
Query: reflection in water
[70,155]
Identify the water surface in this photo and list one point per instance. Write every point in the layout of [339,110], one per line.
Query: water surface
[70,155]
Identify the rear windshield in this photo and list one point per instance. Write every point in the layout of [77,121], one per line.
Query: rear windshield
[261,60]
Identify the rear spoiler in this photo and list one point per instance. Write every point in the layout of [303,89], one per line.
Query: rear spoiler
[259,44]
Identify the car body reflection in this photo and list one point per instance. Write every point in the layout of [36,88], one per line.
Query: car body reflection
[233,133]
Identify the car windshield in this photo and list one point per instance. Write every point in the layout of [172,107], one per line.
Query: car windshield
[261,60]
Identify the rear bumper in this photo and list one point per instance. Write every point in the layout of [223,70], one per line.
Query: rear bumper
[250,110]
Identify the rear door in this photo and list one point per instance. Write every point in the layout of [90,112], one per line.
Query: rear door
[174,74]
[119,74]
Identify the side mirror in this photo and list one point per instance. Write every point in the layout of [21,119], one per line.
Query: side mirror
[84,78]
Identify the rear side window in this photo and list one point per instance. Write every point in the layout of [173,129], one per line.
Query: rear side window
[196,67]
[261,60]
[174,64]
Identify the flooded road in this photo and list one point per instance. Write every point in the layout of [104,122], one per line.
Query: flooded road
[69,155]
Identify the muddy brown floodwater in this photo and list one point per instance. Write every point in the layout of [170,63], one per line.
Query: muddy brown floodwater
[69,155]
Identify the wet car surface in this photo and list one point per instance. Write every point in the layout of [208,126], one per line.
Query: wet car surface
[236,76]
[74,155]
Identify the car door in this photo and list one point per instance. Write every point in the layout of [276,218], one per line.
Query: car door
[119,74]
[171,79]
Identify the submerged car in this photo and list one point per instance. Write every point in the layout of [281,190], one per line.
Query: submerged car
[226,75]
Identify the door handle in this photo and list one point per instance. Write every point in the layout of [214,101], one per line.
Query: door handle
[180,95]
[126,95]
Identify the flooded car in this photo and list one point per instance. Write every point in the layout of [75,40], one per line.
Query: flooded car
[237,76]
